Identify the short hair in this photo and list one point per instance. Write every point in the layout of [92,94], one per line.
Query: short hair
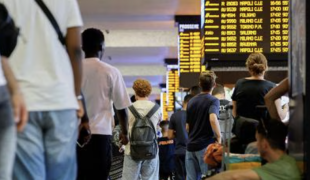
[164,123]
[219,89]
[92,40]
[195,90]
[207,80]
[142,87]
[187,98]
[274,131]
[257,63]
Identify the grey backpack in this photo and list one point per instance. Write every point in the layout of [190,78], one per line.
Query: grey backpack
[143,140]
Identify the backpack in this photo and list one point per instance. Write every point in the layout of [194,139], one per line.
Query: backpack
[143,139]
[8,32]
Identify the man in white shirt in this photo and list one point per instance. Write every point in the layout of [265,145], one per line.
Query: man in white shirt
[102,86]
[49,76]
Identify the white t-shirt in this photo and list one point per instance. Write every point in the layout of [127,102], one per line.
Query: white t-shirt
[103,86]
[143,107]
[2,78]
[39,61]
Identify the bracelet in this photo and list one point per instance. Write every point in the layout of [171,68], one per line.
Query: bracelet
[79,97]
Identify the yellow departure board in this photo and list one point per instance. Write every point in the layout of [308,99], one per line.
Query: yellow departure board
[163,103]
[173,84]
[189,48]
[235,28]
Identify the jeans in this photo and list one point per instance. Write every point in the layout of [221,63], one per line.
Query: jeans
[7,136]
[180,170]
[46,147]
[144,170]
[95,158]
[196,168]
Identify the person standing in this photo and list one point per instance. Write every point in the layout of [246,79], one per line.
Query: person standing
[177,131]
[102,86]
[202,125]
[142,169]
[49,76]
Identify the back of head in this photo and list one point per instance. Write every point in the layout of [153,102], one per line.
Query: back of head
[207,81]
[219,89]
[275,132]
[195,90]
[93,40]
[187,98]
[142,88]
[257,63]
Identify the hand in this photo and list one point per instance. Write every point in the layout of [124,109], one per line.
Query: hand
[20,111]
[80,111]
[124,139]
[87,127]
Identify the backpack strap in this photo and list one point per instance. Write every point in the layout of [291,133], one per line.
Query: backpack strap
[152,111]
[134,112]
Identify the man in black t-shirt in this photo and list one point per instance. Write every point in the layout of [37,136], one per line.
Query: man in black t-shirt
[177,131]
[202,125]
[224,117]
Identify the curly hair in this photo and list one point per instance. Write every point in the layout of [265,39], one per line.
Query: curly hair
[142,88]
[257,63]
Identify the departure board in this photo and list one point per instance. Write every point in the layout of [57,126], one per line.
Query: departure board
[235,28]
[164,112]
[189,48]
[172,87]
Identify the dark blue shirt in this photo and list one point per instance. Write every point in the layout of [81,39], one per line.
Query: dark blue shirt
[166,155]
[198,117]
[178,124]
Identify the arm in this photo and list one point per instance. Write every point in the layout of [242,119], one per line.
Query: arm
[234,110]
[236,175]
[187,127]
[19,106]
[273,95]
[171,134]
[73,43]
[215,126]
[123,121]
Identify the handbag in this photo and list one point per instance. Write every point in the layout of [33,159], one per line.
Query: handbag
[214,155]
[53,21]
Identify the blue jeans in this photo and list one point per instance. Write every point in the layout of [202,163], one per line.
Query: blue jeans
[46,149]
[195,166]
[7,136]
[140,170]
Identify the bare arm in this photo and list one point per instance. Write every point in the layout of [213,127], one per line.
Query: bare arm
[123,121]
[234,110]
[19,106]
[215,126]
[73,43]
[273,95]
[171,134]
[236,175]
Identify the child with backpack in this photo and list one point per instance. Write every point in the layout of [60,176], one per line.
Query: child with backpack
[141,153]
[166,153]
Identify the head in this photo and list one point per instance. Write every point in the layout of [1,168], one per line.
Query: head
[133,98]
[142,88]
[187,98]
[195,90]
[270,135]
[207,81]
[257,64]
[219,91]
[164,125]
[93,43]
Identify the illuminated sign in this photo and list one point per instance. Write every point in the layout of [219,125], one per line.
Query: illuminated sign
[173,84]
[239,27]
[163,98]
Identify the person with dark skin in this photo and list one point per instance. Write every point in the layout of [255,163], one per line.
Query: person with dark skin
[102,86]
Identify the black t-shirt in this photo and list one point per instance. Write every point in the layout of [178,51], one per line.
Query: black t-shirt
[250,93]
[178,124]
[198,117]
[166,154]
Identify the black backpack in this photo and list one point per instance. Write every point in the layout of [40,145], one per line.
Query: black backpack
[143,139]
[8,32]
